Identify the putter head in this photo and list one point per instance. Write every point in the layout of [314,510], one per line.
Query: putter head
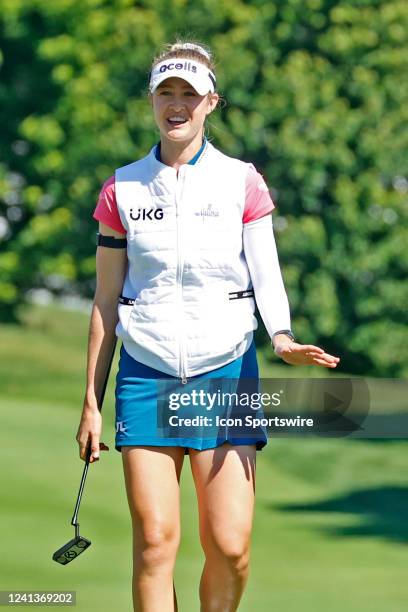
[71,550]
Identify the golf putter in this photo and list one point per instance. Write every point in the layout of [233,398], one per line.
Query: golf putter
[78,544]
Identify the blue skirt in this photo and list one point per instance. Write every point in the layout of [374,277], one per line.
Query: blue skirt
[155,409]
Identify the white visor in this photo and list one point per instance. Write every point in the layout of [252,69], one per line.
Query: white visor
[195,73]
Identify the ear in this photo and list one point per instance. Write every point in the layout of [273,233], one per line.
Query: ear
[212,103]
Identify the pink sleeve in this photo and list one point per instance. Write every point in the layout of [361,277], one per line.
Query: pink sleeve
[258,202]
[106,210]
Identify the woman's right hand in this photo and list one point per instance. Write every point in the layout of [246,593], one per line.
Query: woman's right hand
[89,432]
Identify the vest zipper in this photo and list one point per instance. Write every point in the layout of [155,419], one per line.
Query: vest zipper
[180,268]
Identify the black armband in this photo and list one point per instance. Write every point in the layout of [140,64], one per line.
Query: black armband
[111,242]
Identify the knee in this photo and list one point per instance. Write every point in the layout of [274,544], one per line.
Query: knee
[156,545]
[237,558]
[234,553]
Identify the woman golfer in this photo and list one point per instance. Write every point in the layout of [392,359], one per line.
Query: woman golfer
[185,244]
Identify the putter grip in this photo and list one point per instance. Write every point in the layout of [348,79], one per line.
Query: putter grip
[105,383]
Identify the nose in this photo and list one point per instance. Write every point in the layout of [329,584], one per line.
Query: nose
[177,102]
[177,105]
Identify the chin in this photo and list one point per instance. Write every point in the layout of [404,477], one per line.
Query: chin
[178,135]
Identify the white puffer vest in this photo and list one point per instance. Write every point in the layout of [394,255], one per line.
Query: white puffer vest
[187,272]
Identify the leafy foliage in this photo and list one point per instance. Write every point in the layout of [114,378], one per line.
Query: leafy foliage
[315,98]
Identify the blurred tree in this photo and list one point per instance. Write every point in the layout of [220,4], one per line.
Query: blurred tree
[315,98]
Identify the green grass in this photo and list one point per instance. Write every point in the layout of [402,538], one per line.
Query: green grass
[330,531]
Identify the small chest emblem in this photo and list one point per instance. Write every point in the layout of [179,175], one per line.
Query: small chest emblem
[208,212]
[146,213]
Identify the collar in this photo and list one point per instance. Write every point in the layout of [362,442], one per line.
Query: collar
[192,161]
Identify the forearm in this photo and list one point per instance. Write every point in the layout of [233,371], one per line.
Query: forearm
[101,341]
[263,263]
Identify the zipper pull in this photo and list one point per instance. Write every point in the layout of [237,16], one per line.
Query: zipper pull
[183,380]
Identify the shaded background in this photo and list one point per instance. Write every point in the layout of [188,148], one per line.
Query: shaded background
[316,97]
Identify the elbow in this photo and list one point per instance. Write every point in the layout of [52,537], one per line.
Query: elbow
[106,301]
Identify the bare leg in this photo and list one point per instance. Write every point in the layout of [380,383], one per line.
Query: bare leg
[225,482]
[152,476]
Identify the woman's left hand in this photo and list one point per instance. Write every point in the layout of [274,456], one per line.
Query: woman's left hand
[305,354]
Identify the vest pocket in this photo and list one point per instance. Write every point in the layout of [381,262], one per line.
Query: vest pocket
[124,311]
[217,323]
[241,316]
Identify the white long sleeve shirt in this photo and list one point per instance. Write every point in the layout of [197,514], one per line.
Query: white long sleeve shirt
[263,263]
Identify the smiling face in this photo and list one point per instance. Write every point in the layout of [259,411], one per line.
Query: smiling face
[179,111]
